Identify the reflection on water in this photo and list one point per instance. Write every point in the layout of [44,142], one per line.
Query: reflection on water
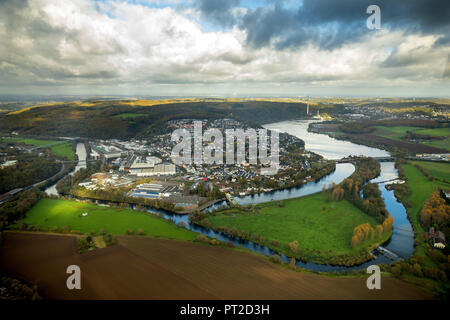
[402,240]
[322,144]
[343,170]
[81,153]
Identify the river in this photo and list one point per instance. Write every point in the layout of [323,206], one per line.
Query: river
[400,245]
[81,153]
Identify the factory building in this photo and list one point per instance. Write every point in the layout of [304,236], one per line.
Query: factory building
[148,190]
[157,170]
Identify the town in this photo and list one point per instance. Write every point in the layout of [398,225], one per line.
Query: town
[144,168]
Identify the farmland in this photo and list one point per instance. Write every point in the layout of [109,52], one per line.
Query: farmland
[438,170]
[398,133]
[48,213]
[145,268]
[322,228]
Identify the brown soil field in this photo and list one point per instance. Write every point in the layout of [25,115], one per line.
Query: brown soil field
[110,273]
[148,268]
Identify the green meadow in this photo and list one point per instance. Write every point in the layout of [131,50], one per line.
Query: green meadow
[31,142]
[130,115]
[439,170]
[322,228]
[61,150]
[398,132]
[50,213]
[421,189]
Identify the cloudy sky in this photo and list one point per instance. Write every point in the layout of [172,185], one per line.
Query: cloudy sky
[224,47]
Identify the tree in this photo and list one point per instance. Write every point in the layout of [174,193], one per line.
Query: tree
[293,246]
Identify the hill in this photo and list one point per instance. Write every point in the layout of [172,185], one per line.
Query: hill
[114,119]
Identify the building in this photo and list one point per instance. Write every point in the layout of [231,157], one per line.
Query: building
[109,152]
[142,163]
[127,163]
[9,164]
[116,162]
[148,190]
[438,238]
[94,154]
[157,170]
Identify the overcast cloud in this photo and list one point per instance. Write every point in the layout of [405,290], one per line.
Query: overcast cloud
[235,47]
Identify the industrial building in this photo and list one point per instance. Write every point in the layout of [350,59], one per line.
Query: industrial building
[148,190]
[158,170]
[108,151]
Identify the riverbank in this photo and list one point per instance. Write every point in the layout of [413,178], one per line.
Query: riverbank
[427,266]
[413,195]
[323,228]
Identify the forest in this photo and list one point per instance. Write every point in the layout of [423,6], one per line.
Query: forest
[30,169]
[103,120]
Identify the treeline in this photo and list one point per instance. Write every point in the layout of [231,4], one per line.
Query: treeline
[65,185]
[419,264]
[436,213]
[428,175]
[416,136]
[291,249]
[432,124]
[415,266]
[101,120]
[357,127]
[365,232]
[401,191]
[14,289]
[120,198]
[372,202]
[207,190]
[16,208]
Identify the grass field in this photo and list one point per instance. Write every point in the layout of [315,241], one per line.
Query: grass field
[398,132]
[31,142]
[61,150]
[323,229]
[48,213]
[439,170]
[130,115]
[421,189]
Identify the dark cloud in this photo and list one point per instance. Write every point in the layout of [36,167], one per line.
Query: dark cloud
[411,58]
[331,24]
[219,11]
